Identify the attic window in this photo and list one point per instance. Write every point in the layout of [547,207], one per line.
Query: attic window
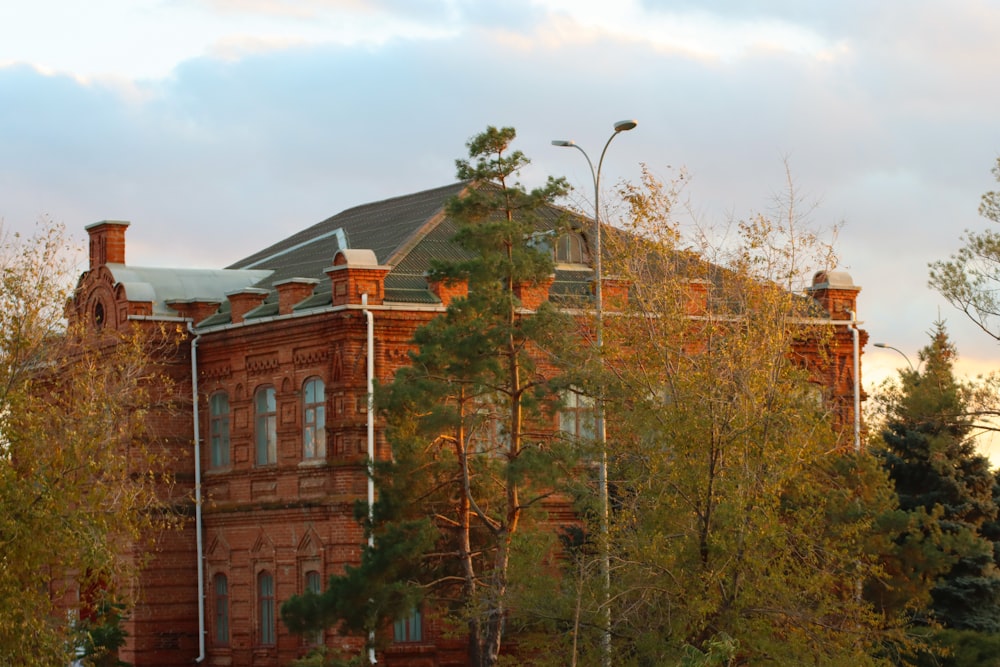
[569,249]
[99,315]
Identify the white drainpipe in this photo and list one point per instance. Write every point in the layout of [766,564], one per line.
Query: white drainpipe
[197,494]
[855,336]
[370,373]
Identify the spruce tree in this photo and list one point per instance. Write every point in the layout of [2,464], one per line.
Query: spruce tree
[931,457]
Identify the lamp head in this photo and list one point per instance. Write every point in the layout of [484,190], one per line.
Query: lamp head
[625,125]
[880,345]
[563,142]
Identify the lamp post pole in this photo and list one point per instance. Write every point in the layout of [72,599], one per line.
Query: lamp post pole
[601,433]
[896,349]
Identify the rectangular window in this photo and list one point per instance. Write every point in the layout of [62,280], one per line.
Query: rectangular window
[409,628]
[314,584]
[314,419]
[486,426]
[265,588]
[266,410]
[576,418]
[219,429]
[221,610]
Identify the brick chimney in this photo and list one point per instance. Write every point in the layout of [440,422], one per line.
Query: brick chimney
[194,309]
[356,272]
[532,295]
[835,292]
[448,290]
[107,242]
[243,301]
[292,291]
[697,297]
[614,293]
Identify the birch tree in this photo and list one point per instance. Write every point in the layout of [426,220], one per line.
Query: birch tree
[71,415]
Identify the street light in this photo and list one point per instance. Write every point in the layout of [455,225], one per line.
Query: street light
[602,470]
[890,347]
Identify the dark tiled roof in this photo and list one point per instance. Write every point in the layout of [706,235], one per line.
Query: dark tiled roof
[383,227]
[405,233]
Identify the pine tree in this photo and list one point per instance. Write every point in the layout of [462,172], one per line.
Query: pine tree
[932,460]
[470,467]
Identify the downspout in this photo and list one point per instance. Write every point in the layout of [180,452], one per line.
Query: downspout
[370,374]
[197,494]
[855,336]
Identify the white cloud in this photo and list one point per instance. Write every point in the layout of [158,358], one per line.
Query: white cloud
[227,129]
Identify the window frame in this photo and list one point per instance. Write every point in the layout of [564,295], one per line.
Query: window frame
[266,608]
[570,248]
[409,629]
[312,582]
[580,410]
[314,419]
[221,598]
[265,426]
[219,431]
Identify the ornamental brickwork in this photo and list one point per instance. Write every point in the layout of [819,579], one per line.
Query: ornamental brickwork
[278,492]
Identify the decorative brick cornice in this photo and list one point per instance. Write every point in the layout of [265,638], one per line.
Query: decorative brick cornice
[262,363]
[311,356]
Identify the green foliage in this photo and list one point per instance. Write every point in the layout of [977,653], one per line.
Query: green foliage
[719,652]
[103,635]
[968,280]
[932,460]
[741,530]
[463,421]
[960,648]
[77,480]
[324,656]
[371,595]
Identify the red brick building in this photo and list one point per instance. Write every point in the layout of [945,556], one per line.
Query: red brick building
[275,433]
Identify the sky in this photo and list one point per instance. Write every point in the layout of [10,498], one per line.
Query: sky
[217,127]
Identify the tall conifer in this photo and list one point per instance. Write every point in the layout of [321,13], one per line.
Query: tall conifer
[932,460]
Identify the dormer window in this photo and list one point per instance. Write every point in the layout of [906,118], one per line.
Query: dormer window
[569,249]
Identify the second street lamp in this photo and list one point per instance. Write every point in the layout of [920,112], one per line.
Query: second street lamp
[600,431]
[896,349]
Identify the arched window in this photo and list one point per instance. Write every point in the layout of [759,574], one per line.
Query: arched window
[265,602]
[266,411]
[218,420]
[569,249]
[221,587]
[314,419]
